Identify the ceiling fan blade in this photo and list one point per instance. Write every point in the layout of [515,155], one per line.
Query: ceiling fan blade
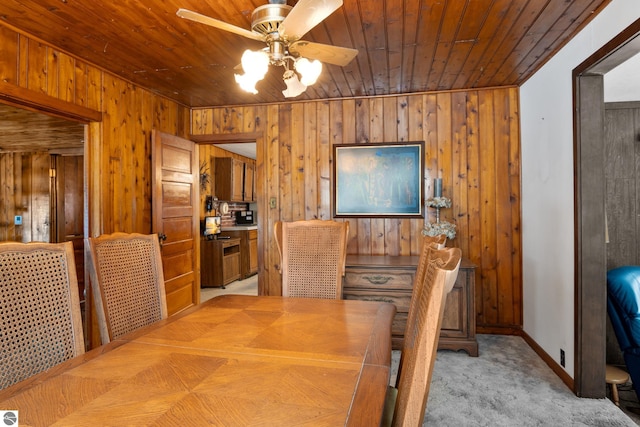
[305,15]
[203,19]
[323,52]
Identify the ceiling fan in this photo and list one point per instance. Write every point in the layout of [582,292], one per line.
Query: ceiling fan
[281,27]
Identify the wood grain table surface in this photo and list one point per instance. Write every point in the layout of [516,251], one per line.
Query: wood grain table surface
[235,360]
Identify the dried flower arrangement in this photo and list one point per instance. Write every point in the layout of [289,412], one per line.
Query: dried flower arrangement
[439,227]
[204,176]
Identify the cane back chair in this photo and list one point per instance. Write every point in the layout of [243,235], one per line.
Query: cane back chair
[40,306]
[313,255]
[406,402]
[127,282]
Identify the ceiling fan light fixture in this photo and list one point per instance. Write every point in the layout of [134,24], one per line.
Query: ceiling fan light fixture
[281,27]
[294,87]
[255,66]
[309,70]
[247,83]
[255,63]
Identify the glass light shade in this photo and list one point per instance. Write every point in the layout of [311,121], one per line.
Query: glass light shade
[255,63]
[309,70]
[294,87]
[255,66]
[247,82]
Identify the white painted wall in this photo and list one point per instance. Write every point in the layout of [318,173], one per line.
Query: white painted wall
[622,84]
[547,185]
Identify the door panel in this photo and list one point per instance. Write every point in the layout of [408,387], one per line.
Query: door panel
[68,218]
[176,216]
[172,268]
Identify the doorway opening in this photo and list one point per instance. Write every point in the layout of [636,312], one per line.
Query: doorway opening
[42,156]
[589,171]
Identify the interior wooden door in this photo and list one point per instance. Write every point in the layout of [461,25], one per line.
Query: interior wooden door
[176,217]
[67,216]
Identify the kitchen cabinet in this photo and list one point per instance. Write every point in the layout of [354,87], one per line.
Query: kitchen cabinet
[248,248]
[234,179]
[390,279]
[219,262]
[253,252]
[229,179]
[249,182]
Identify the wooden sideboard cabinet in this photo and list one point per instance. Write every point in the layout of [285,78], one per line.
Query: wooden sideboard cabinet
[248,249]
[219,262]
[390,279]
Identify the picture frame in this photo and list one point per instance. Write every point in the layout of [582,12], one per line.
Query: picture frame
[378,180]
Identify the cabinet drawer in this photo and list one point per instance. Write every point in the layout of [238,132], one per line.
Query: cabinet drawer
[401,300]
[387,279]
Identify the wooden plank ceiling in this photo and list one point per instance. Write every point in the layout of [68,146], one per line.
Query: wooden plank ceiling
[26,131]
[403,46]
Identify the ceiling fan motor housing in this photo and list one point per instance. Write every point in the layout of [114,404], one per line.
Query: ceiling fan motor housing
[266,19]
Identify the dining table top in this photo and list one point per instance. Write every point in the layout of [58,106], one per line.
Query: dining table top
[234,360]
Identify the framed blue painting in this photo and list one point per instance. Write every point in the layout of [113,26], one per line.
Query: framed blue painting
[378,180]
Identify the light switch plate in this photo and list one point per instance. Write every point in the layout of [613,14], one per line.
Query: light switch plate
[17,220]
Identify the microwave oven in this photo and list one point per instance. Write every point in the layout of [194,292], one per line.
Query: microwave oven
[244,217]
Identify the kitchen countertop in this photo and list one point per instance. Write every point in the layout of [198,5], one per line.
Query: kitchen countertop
[240,228]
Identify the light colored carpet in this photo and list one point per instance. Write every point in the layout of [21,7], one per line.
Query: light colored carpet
[508,385]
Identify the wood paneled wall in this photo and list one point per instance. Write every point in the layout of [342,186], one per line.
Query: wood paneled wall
[24,191]
[124,156]
[119,152]
[622,198]
[33,65]
[472,142]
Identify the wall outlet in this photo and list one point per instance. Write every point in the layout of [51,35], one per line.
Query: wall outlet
[562,357]
[17,220]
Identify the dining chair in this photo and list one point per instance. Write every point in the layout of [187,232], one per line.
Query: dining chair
[428,245]
[313,256]
[439,241]
[406,402]
[127,282]
[41,321]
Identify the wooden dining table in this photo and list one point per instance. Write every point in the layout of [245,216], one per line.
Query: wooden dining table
[234,360]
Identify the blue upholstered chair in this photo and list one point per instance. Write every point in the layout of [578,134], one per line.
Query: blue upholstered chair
[623,306]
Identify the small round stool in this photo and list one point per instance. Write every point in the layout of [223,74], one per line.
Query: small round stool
[615,376]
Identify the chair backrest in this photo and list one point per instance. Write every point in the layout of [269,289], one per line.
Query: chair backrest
[127,282]
[429,245]
[439,241]
[422,334]
[313,256]
[41,321]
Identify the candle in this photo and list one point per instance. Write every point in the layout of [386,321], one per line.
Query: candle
[437,187]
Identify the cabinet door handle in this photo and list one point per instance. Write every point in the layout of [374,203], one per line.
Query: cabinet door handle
[162,237]
[378,279]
